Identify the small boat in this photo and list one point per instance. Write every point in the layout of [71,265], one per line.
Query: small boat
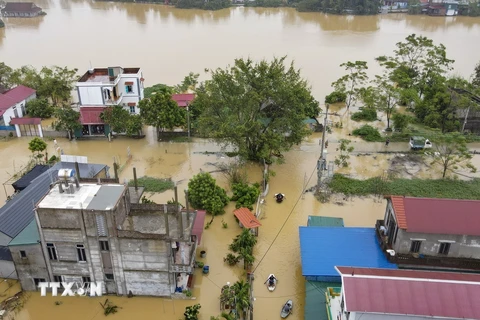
[279,197]
[271,286]
[287,309]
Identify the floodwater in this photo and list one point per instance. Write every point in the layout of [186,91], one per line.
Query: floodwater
[168,43]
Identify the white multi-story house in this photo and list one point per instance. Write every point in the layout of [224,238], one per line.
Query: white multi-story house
[103,87]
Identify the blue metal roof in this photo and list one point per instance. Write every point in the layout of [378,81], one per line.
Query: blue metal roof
[29,235]
[323,248]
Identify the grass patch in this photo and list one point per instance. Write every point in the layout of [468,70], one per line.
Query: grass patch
[428,188]
[366,114]
[152,184]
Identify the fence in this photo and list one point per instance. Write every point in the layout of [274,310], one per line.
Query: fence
[7,128]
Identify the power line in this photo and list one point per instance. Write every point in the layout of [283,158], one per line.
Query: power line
[278,233]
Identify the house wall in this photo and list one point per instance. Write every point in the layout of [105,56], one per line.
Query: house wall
[90,95]
[10,113]
[33,266]
[463,246]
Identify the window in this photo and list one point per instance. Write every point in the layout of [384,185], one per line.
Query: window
[132,109]
[444,248]
[52,252]
[104,246]
[23,254]
[129,88]
[86,280]
[38,280]
[57,279]
[109,276]
[415,247]
[82,257]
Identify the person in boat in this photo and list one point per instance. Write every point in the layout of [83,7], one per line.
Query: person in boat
[271,280]
[287,307]
[280,197]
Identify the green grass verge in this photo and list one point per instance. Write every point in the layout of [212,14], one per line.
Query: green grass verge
[152,184]
[428,188]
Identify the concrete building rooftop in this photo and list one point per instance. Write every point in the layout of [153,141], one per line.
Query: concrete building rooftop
[89,197]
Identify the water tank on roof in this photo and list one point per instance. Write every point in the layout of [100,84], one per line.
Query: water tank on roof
[65,174]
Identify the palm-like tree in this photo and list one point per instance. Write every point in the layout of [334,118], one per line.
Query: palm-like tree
[244,240]
[242,294]
[247,255]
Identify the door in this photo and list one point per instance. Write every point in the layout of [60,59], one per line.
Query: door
[24,111]
[15,112]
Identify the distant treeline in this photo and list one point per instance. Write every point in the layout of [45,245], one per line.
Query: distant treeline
[357,7]
[187,4]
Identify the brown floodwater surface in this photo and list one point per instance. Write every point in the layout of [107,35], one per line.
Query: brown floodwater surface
[167,44]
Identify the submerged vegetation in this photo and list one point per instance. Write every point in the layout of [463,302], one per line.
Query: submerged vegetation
[152,184]
[428,188]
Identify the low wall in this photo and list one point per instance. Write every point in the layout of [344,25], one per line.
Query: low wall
[6,133]
[55,134]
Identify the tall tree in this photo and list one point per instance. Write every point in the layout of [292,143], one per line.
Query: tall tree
[116,117]
[352,82]
[258,108]
[387,96]
[476,76]
[68,120]
[452,153]
[189,83]
[57,84]
[5,74]
[27,76]
[161,111]
[134,125]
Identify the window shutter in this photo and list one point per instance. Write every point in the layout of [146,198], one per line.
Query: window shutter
[101,226]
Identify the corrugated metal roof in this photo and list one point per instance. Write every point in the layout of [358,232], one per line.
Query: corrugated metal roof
[319,221]
[29,235]
[25,180]
[246,217]
[87,170]
[399,209]
[402,273]
[315,303]
[323,248]
[91,115]
[25,121]
[106,198]
[198,225]
[414,296]
[19,93]
[17,213]
[442,216]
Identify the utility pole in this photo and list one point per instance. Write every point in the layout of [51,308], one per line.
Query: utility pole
[188,120]
[320,160]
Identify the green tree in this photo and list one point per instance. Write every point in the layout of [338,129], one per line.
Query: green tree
[5,74]
[352,82]
[116,117]
[476,76]
[36,146]
[258,108]
[189,83]
[191,312]
[27,76]
[387,96]
[245,195]
[67,120]
[161,111]
[39,108]
[245,240]
[149,91]
[345,149]
[134,125]
[452,153]
[242,294]
[204,193]
[400,121]
[57,84]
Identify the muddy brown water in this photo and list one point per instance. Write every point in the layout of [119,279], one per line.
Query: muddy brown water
[168,43]
[176,42]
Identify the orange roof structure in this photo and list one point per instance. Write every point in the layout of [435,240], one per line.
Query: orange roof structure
[247,219]
[399,210]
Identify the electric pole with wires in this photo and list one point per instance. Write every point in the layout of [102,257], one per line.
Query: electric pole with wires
[322,162]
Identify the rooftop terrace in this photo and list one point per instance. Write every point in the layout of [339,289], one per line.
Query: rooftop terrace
[106,75]
[89,196]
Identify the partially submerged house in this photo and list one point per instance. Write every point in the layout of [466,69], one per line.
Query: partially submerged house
[90,232]
[442,8]
[381,294]
[21,9]
[431,233]
[13,102]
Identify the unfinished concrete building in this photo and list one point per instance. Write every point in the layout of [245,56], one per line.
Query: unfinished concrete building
[91,232]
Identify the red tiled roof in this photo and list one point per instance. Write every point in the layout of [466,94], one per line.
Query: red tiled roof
[21,7]
[19,93]
[198,225]
[5,102]
[247,219]
[439,216]
[91,115]
[398,207]
[183,99]
[407,292]
[22,121]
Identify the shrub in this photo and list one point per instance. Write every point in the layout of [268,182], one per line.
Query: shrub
[366,114]
[245,195]
[39,108]
[205,194]
[152,184]
[368,133]
[335,96]
[400,121]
